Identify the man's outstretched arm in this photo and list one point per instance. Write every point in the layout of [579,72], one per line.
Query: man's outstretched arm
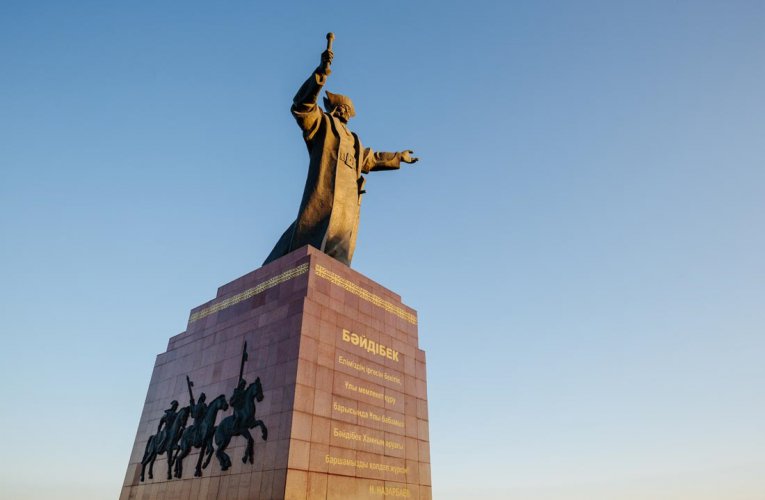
[374,161]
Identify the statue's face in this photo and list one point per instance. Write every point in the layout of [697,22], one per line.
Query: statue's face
[343,112]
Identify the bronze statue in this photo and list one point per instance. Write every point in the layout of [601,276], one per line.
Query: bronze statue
[328,218]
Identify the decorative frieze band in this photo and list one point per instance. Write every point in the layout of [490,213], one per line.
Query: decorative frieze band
[250,292]
[336,279]
[321,272]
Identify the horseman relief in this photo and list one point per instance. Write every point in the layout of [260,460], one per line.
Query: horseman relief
[177,440]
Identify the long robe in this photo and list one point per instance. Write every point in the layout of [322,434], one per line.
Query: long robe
[328,218]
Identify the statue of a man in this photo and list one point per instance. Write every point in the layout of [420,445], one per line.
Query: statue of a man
[166,422]
[238,402]
[198,412]
[329,211]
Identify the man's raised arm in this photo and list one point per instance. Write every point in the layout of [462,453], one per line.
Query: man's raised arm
[304,108]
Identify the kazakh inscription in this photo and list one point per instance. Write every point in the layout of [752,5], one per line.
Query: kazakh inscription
[362,464]
[367,415]
[389,491]
[368,433]
[370,345]
[370,392]
[366,438]
[362,368]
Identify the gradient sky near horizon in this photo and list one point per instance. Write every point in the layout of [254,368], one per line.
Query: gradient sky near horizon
[582,238]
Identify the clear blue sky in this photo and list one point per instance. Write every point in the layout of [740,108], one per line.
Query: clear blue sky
[583,237]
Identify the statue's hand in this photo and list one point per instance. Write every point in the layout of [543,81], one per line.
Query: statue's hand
[326,60]
[406,156]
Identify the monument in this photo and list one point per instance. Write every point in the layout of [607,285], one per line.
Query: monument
[329,212]
[314,376]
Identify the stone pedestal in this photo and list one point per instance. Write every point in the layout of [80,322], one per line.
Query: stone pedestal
[343,378]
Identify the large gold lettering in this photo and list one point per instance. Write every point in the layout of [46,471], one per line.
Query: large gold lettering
[362,342]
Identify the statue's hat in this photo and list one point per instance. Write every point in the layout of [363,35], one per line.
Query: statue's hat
[331,101]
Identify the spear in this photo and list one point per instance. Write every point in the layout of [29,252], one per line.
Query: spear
[190,384]
[244,358]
